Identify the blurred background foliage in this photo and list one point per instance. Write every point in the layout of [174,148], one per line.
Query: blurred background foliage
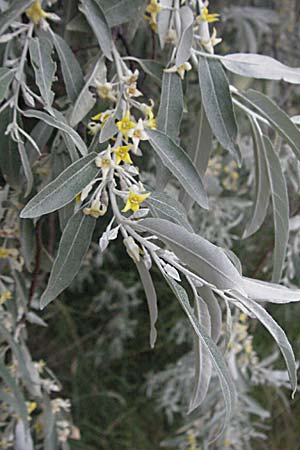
[124,395]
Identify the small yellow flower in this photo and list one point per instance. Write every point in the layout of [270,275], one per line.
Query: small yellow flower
[206,17]
[122,154]
[31,406]
[5,296]
[95,210]
[125,124]
[186,67]
[35,13]
[134,201]
[6,252]
[105,91]
[153,8]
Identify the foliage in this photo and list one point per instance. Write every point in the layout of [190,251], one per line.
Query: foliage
[88,142]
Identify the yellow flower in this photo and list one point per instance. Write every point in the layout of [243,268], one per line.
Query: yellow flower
[95,210]
[31,406]
[153,9]
[105,91]
[5,252]
[125,124]
[206,17]
[180,69]
[5,296]
[134,201]
[35,13]
[122,154]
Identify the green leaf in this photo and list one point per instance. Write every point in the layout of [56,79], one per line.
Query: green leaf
[260,66]
[171,105]
[278,334]
[165,207]
[203,362]
[277,118]
[28,243]
[151,298]
[214,309]
[180,164]
[17,7]
[217,102]
[262,184]
[163,21]
[200,151]
[97,20]
[60,124]
[226,381]
[280,204]
[63,189]
[187,34]
[169,118]
[16,391]
[6,77]
[44,67]
[72,249]
[40,133]
[86,100]
[70,67]
[23,439]
[121,11]
[270,292]
[10,161]
[26,167]
[200,255]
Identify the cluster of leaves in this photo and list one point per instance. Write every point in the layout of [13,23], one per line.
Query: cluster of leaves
[75,151]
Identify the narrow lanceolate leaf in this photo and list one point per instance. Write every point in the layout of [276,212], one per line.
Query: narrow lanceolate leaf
[165,207]
[16,391]
[187,34]
[23,439]
[60,125]
[200,150]
[121,11]
[151,298]
[44,67]
[277,118]
[16,8]
[70,67]
[10,161]
[171,105]
[278,334]
[169,119]
[203,362]
[26,168]
[280,203]
[262,185]
[200,255]
[86,100]
[226,381]
[6,77]
[180,165]
[270,292]
[217,103]
[163,21]
[97,20]
[73,246]
[214,309]
[63,189]
[260,66]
